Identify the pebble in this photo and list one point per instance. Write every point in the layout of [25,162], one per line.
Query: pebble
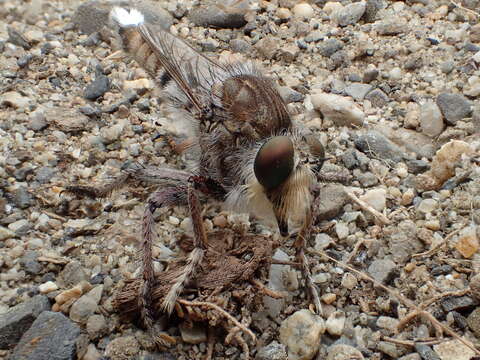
[220,16]
[431,120]
[427,206]
[303,10]
[45,174]
[51,336]
[454,107]
[329,47]
[388,323]
[349,281]
[381,269]
[467,243]
[301,334]
[358,91]
[391,27]
[122,348]
[335,323]
[97,87]
[443,165]
[341,229]
[375,144]
[6,234]
[18,319]
[20,227]
[331,200]
[343,352]
[73,273]
[112,133]
[47,287]
[23,199]
[376,198]
[86,305]
[475,286]
[276,277]
[322,241]
[473,321]
[426,352]
[37,120]
[15,100]
[339,109]
[453,350]
[458,303]
[378,98]
[273,351]
[350,14]
[194,334]
[92,353]
[96,326]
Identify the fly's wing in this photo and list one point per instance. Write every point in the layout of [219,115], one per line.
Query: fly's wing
[234,97]
[177,68]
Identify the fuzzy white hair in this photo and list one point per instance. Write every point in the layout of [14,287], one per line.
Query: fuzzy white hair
[125,18]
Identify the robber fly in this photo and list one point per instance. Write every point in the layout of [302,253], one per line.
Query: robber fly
[250,154]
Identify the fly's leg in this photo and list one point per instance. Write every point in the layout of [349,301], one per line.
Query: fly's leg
[304,266]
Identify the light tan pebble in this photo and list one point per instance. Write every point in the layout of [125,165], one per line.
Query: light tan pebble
[173,220]
[331,7]
[138,84]
[407,197]
[376,198]
[329,298]
[284,13]
[47,287]
[433,224]
[303,10]
[220,221]
[467,242]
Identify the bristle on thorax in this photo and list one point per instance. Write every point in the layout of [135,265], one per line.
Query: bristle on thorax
[127,18]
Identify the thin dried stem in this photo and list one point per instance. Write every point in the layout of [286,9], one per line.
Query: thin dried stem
[438,246]
[364,206]
[266,290]
[221,312]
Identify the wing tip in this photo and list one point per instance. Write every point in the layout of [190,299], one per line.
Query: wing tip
[126,18]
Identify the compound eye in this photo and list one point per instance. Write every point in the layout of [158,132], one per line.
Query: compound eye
[274,162]
[316,149]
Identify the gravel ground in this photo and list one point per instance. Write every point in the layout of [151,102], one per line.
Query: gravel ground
[392,89]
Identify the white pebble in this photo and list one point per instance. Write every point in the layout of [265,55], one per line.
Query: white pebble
[47,287]
[303,10]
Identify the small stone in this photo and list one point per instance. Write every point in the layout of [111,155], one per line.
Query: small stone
[453,350]
[273,351]
[431,119]
[426,352]
[341,110]
[23,198]
[97,87]
[122,348]
[47,287]
[138,84]
[220,16]
[388,323]
[289,95]
[349,281]
[86,305]
[376,198]
[240,46]
[96,326]
[343,352]
[72,274]
[475,286]
[51,336]
[330,46]
[447,66]
[341,230]
[371,10]
[381,269]
[350,14]
[454,107]
[458,303]
[322,241]
[331,200]
[37,121]
[92,353]
[276,277]
[467,242]
[45,174]
[112,133]
[376,145]
[15,100]
[18,319]
[303,10]
[390,27]
[378,98]
[20,227]
[473,321]
[301,334]
[358,91]
[329,298]
[427,206]
[6,234]
[284,13]
[68,120]
[194,334]
[335,323]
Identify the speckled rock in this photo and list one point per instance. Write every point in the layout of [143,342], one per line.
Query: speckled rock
[218,15]
[454,107]
[122,348]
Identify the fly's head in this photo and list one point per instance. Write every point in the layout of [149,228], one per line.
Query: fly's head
[280,177]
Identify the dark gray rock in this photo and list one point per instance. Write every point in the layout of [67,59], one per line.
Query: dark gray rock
[240,46]
[370,75]
[289,95]
[72,274]
[454,107]
[23,199]
[378,98]
[330,201]
[17,320]
[458,303]
[417,166]
[18,39]
[330,47]
[45,174]
[426,352]
[51,336]
[218,15]
[97,87]
[370,14]
[378,146]
[29,262]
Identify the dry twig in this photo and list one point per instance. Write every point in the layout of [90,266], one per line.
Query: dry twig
[364,206]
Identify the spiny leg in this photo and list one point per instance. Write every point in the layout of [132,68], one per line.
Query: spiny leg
[301,258]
